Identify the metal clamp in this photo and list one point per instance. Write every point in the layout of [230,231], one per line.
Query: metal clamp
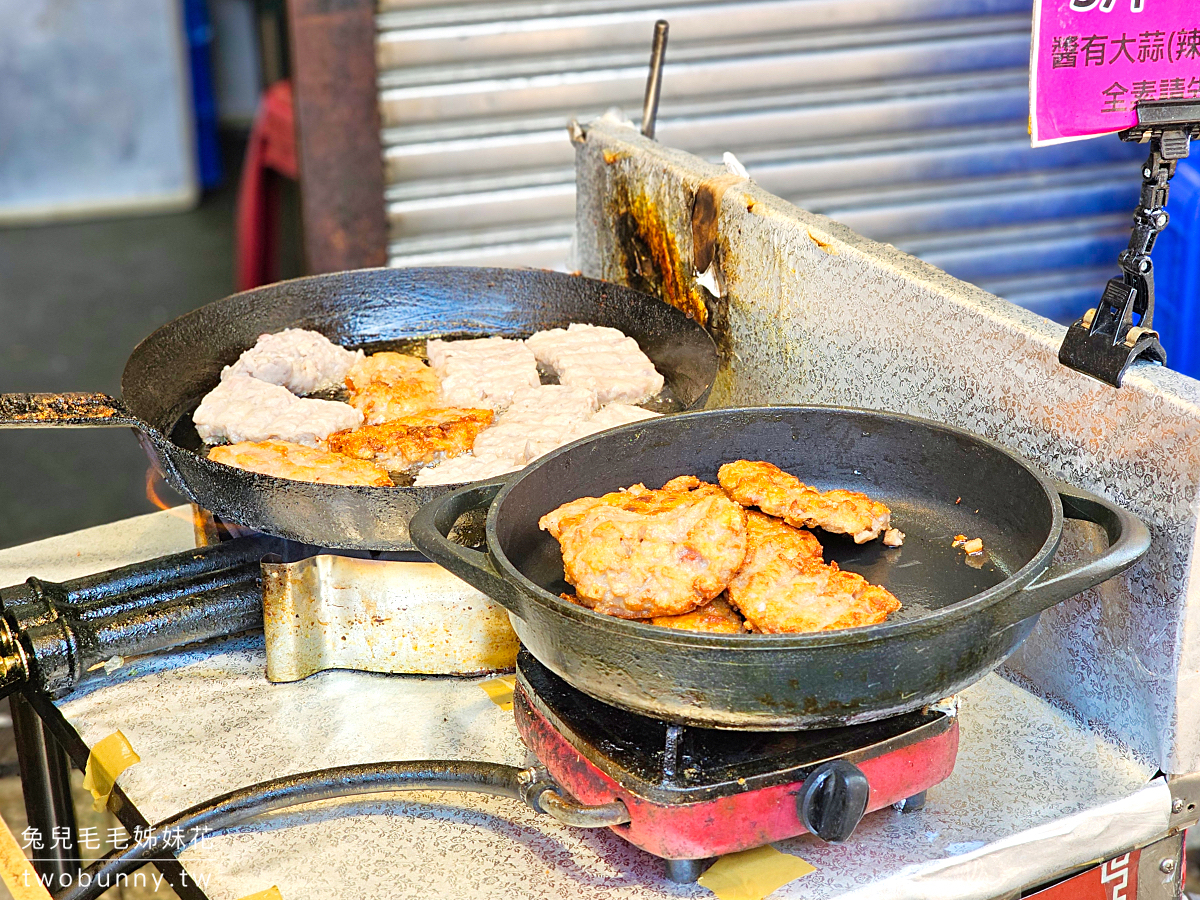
[14,663]
[543,795]
[1160,869]
[1185,800]
[1110,337]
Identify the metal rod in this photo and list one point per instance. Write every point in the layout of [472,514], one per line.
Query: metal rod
[46,784]
[77,753]
[670,765]
[531,786]
[654,79]
[571,813]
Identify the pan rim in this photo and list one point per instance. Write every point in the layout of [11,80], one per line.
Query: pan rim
[964,608]
[167,446]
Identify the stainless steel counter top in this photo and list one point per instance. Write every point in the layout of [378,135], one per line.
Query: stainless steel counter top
[1034,793]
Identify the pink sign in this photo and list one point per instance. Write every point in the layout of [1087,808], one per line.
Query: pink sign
[1093,60]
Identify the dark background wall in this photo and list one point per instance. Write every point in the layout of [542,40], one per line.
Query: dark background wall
[75,299]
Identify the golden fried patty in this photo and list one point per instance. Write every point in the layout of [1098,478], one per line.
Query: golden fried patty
[299,463]
[386,386]
[777,493]
[784,587]
[423,437]
[715,617]
[640,553]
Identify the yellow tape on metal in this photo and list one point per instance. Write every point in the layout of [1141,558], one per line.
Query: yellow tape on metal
[271,893]
[501,690]
[753,874]
[108,759]
[15,870]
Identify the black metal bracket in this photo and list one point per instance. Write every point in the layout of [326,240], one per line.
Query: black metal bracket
[46,786]
[1109,338]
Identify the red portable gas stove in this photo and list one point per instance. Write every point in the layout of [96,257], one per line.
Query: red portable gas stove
[695,793]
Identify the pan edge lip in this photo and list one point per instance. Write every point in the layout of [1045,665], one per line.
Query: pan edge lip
[168,453]
[972,605]
[352,274]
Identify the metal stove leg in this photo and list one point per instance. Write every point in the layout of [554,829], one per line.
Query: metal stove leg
[684,871]
[46,784]
[910,804]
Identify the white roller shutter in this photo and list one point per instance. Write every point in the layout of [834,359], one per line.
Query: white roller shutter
[905,119]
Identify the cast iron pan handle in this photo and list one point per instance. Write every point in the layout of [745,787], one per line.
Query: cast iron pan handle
[430,529]
[1128,540]
[66,410]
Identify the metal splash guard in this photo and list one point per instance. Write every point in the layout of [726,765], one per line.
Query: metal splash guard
[414,618]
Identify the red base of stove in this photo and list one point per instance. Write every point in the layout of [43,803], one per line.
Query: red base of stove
[727,824]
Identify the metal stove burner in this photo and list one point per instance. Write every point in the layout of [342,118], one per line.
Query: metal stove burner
[52,635]
[694,793]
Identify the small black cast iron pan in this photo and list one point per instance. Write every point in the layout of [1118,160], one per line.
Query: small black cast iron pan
[376,309]
[958,622]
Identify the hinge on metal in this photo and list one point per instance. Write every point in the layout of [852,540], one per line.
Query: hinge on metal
[1109,338]
[1185,800]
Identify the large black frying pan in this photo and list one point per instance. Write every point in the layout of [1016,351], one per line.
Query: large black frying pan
[170,371]
[958,621]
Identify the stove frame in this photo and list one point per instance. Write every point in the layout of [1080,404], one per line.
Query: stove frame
[806,311]
[69,733]
[698,793]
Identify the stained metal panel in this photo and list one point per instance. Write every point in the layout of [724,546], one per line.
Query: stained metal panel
[816,313]
[905,119]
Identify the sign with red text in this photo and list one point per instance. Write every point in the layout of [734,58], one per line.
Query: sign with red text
[1092,61]
[1114,880]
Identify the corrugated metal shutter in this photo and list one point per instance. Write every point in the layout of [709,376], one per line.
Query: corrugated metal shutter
[905,119]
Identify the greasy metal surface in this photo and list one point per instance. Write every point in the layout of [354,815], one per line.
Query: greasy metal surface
[170,371]
[337,612]
[67,630]
[63,409]
[655,261]
[705,208]
[959,620]
[818,313]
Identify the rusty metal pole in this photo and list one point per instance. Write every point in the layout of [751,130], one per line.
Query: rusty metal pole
[338,134]
[654,78]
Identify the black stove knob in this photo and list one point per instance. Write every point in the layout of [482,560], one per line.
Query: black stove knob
[833,799]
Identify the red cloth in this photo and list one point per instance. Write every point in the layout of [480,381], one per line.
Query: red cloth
[272,149]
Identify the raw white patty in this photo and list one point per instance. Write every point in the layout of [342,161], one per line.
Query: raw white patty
[482,373]
[299,360]
[600,359]
[242,408]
